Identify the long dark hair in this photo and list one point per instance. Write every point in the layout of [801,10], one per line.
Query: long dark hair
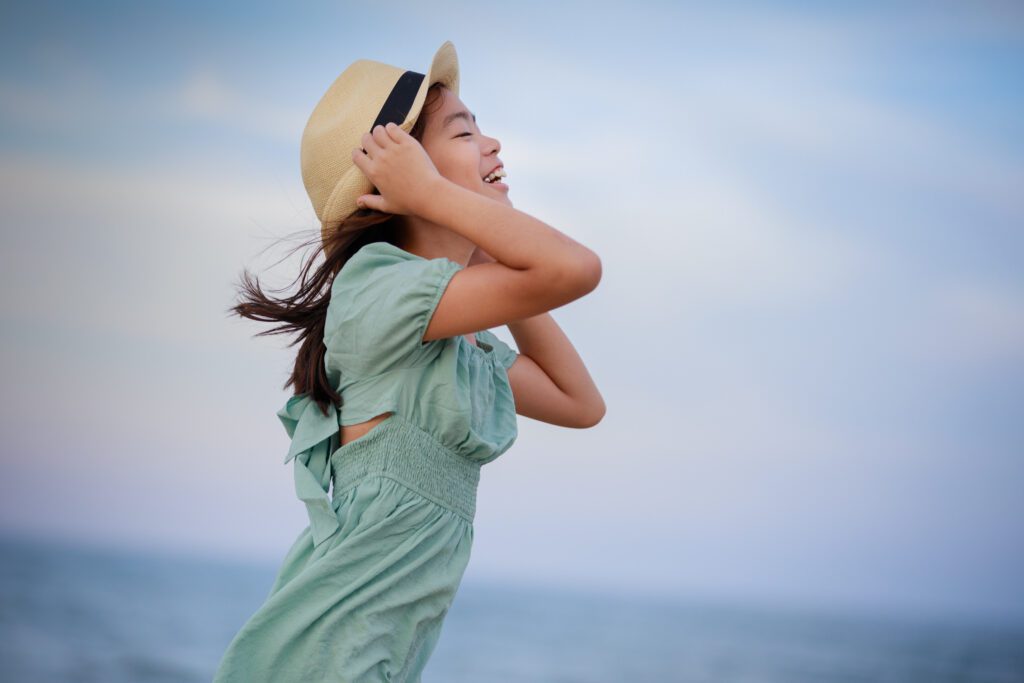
[305,311]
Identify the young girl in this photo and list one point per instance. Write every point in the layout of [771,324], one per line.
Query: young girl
[401,392]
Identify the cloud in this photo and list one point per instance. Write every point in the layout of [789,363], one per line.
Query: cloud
[207,96]
[156,246]
[977,321]
[80,101]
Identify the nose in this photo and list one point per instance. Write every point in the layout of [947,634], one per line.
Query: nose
[496,144]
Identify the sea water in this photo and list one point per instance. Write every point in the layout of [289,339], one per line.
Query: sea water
[72,613]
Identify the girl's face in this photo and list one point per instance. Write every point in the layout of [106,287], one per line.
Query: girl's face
[461,153]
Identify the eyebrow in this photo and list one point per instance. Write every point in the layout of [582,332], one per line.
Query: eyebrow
[457,115]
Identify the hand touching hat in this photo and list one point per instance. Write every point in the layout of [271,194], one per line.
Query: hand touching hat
[366,94]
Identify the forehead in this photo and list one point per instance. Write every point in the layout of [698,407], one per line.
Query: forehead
[451,111]
[455,116]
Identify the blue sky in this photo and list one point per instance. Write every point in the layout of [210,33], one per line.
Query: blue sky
[809,334]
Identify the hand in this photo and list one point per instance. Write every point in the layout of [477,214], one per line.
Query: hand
[398,166]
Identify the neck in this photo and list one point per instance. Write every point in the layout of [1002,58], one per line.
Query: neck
[429,240]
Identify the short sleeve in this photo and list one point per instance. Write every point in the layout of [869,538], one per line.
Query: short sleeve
[503,354]
[382,301]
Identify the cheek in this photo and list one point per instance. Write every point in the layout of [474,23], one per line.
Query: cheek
[460,166]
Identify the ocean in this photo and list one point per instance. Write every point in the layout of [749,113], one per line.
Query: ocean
[79,614]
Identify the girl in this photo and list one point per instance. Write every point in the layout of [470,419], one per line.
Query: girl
[401,392]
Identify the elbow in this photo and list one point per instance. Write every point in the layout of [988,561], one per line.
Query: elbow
[590,271]
[555,281]
[592,417]
[582,274]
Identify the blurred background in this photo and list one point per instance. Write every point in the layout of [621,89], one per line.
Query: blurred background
[809,334]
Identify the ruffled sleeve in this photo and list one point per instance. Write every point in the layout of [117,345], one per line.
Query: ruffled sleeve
[503,354]
[314,438]
[381,303]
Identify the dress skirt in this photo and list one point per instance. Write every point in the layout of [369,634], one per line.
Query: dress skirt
[368,603]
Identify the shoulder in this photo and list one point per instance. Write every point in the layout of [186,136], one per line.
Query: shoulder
[382,253]
[369,260]
[380,265]
[381,302]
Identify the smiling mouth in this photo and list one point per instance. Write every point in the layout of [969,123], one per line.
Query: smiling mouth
[497,181]
[498,174]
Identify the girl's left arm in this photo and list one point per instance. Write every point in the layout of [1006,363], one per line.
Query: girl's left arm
[549,381]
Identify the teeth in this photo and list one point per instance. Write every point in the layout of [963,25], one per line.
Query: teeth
[491,177]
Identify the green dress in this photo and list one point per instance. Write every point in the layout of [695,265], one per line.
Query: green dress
[364,590]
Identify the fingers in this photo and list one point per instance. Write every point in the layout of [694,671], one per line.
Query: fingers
[369,144]
[395,132]
[373,202]
[381,136]
[359,158]
[387,133]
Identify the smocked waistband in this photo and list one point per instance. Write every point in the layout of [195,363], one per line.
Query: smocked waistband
[398,449]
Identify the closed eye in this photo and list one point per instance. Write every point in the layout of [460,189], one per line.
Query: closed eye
[461,134]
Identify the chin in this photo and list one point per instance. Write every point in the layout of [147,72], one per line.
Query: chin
[493,193]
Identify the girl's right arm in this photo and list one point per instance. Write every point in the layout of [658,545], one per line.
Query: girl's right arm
[536,268]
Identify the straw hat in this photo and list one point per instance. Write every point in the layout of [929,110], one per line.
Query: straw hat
[366,94]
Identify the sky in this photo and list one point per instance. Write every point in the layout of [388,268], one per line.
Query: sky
[809,333]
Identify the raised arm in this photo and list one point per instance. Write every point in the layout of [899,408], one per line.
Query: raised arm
[536,268]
